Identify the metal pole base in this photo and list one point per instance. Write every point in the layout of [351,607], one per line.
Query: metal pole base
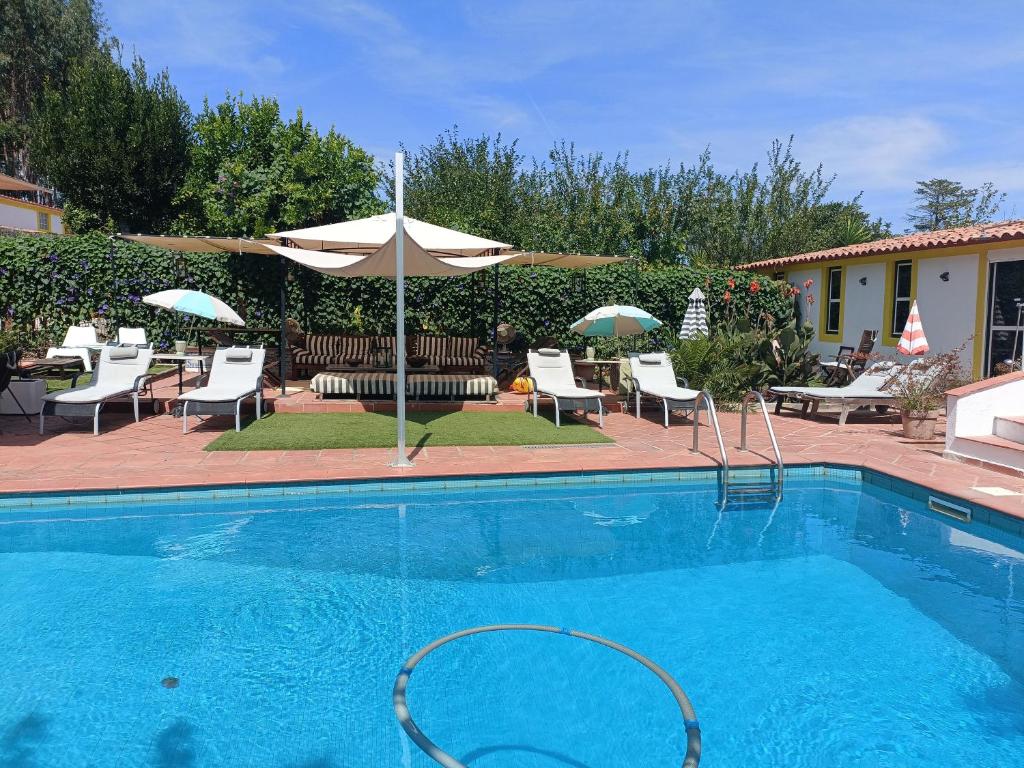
[401,460]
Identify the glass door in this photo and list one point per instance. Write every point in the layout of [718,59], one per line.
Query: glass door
[1005,318]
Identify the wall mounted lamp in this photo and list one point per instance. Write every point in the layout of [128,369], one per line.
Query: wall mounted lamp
[944,277]
[863,281]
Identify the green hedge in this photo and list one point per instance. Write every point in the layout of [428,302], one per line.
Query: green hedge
[56,281]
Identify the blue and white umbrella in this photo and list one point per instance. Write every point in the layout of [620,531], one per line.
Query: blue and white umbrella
[194,303]
[616,320]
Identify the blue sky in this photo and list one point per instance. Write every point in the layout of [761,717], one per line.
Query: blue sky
[881,93]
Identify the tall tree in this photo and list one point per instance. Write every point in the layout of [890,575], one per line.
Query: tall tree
[469,184]
[40,40]
[114,142]
[943,203]
[250,173]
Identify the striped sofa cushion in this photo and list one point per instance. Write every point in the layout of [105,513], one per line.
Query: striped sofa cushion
[451,385]
[372,383]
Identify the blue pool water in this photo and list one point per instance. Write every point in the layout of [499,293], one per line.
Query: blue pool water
[848,627]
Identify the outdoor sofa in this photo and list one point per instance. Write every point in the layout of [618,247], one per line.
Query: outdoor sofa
[314,352]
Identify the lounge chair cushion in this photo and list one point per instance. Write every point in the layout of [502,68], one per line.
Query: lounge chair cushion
[238,355]
[548,352]
[650,358]
[124,353]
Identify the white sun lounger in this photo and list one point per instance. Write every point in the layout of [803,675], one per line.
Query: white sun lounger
[653,376]
[551,375]
[236,374]
[121,371]
[868,389]
[77,343]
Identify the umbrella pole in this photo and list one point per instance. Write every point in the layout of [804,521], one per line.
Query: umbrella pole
[401,460]
[283,342]
[494,327]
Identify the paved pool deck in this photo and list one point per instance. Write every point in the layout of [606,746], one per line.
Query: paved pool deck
[154,453]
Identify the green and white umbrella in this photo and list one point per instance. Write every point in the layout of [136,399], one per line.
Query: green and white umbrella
[616,320]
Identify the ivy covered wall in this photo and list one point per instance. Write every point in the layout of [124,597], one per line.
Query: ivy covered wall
[49,283]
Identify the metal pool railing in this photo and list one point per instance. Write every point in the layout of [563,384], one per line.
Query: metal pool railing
[690,760]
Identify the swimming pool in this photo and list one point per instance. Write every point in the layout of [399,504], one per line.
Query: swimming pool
[849,626]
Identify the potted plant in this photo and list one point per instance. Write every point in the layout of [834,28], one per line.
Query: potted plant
[919,390]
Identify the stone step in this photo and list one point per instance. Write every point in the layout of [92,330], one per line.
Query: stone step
[990,451]
[1009,428]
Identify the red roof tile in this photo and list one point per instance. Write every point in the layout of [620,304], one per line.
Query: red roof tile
[919,241]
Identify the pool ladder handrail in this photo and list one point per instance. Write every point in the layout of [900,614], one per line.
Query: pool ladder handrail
[780,467]
[704,397]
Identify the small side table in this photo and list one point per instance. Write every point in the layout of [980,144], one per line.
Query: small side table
[180,361]
[612,368]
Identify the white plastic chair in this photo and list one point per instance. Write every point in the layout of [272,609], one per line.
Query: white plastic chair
[76,344]
[131,336]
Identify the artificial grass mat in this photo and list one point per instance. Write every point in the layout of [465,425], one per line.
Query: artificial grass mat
[315,431]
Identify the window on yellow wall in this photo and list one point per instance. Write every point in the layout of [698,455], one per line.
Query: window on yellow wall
[834,311]
[43,221]
[902,284]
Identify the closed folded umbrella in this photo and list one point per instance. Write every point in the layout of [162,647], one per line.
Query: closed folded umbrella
[616,320]
[194,303]
[695,321]
[913,341]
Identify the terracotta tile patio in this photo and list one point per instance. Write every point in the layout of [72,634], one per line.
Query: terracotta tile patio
[155,453]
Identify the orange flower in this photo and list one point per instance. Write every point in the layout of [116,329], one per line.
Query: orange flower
[731,283]
[808,283]
[727,297]
[755,286]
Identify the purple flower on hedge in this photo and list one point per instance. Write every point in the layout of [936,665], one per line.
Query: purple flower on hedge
[52,257]
[10,311]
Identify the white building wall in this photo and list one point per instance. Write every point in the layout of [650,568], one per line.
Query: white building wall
[948,307]
[863,305]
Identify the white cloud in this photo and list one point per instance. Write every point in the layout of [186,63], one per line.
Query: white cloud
[876,151]
[198,34]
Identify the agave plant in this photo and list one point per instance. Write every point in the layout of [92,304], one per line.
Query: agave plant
[786,360]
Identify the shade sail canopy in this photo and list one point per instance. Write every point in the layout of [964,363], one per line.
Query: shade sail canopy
[616,320]
[563,260]
[194,303]
[203,244]
[368,235]
[381,262]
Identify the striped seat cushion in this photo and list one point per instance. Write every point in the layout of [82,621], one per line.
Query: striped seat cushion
[372,383]
[451,385]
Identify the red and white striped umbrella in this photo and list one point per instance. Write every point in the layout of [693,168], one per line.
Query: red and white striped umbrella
[913,342]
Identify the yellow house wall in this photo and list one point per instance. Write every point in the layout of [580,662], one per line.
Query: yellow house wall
[18,214]
[952,312]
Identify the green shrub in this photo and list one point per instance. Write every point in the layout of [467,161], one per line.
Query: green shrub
[54,281]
